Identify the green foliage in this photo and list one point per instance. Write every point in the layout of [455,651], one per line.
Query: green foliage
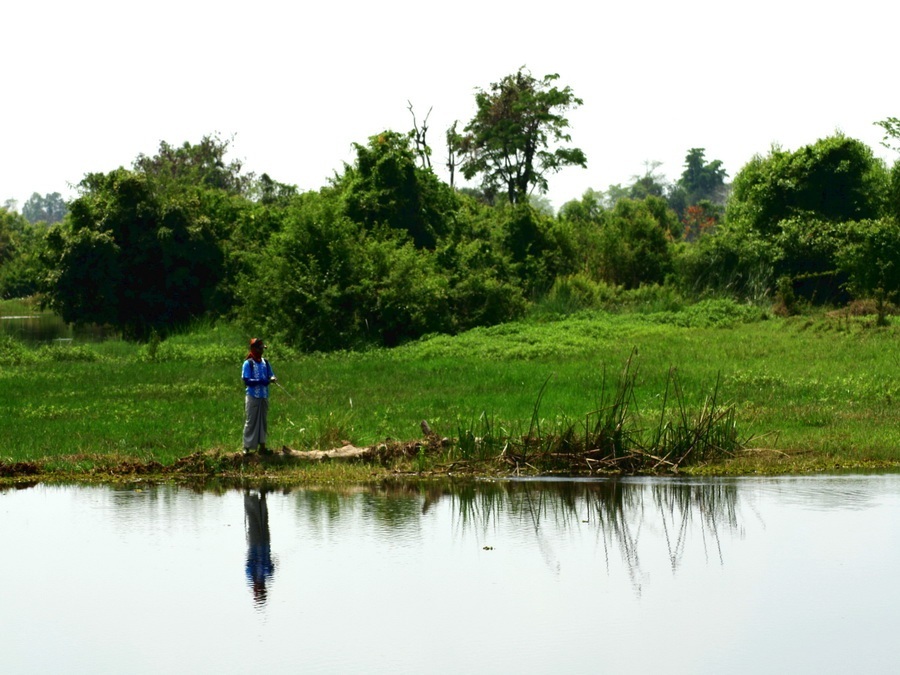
[717,313]
[808,247]
[386,187]
[870,258]
[634,244]
[650,184]
[133,255]
[388,253]
[22,270]
[329,282]
[835,179]
[526,239]
[483,286]
[300,288]
[627,245]
[588,209]
[788,219]
[12,225]
[509,141]
[736,262]
[149,249]
[891,127]
[701,180]
[894,198]
[268,191]
[574,293]
[20,245]
[202,164]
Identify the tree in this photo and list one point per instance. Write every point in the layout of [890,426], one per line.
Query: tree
[50,208]
[385,186]
[870,259]
[699,182]
[634,243]
[327,282]
[891,141]
[836,179]
[201,164]
[702,180]
[11,224]
[700,219]
[891,127]
[133,255]
[20,243]
[614,194]
[509,141]
[651,184]
[588,209]
[418,134]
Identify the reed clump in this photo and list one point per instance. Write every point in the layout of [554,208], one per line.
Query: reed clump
[617,437]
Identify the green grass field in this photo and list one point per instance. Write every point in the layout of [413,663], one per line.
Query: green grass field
[822,391]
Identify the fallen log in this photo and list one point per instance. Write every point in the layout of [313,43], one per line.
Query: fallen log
[348,451]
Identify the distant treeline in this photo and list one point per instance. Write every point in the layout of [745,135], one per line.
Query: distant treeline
[388,252]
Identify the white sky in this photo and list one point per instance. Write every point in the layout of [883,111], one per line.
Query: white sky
[89,85]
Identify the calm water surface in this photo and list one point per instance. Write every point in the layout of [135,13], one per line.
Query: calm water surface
[793,575]
[44,327]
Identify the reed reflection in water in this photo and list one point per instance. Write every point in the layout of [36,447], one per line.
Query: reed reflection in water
[615,512]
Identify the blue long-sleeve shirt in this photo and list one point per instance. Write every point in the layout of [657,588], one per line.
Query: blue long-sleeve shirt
[257,376]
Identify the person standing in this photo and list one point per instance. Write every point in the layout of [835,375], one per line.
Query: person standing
[257,375]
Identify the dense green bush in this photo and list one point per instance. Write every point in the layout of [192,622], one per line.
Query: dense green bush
[634,247]
[386,187]
[735,262]
[20,246]
[835,179]
[894,200]
[328,282]
[388,253]
[576,292]
[869,258]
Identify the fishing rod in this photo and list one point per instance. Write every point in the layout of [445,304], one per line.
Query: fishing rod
[286,392]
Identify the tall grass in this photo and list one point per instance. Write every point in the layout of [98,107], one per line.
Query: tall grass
[613,438]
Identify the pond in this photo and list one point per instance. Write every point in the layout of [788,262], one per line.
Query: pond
[793,575]
[46,327]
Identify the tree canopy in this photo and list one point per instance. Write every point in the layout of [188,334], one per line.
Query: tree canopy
[139,250]
[385,186]
[834,179]
[387,252]
[511,142]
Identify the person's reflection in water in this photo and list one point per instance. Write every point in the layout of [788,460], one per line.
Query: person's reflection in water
[260,565]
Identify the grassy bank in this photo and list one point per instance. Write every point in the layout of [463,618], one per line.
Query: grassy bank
[806,393]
